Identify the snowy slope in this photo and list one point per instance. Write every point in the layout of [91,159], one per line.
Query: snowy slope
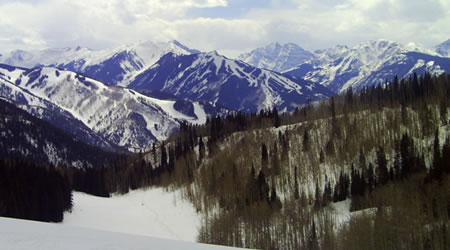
[121,116]
[114,66]
[443,49]
[231,83]
[277,57]
[30,235]
[367,64]
[46,110]
[151,212]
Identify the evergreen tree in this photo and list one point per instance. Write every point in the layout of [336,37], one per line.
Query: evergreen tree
[263,188]
[276,117]
[370,178]
[163,163]
[321,156]
[382,171]
[201,149]
[405,155]
[305,140]
[313,243]
[436,167]
[264,157]
[274,199]
[296,191]
[317,198]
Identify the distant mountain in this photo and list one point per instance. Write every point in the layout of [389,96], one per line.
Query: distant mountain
[115,66]
[443,49]
[231,83]
[367,64]
[115,115]
[277,57]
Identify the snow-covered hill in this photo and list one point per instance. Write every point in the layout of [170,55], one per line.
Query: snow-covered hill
[29,235]
[114,66]
[368,64]
[120,116]
[277,57]
[231,83]
[443,49]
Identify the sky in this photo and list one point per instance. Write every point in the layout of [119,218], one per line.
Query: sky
[229,26]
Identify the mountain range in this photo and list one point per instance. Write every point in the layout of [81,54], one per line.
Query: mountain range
[131,96]
[366,64]
[114,66]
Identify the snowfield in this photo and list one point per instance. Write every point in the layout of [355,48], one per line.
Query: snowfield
[140,219]
[31,235]
[151,212]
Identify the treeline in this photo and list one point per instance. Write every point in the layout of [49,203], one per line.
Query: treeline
[34,192]
[121,176]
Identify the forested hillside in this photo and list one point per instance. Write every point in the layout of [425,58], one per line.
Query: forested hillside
[273,181]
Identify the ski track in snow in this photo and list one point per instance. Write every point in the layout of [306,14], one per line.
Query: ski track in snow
[151,212]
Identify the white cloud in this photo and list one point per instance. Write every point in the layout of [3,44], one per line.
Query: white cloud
[35,24]
[320,24]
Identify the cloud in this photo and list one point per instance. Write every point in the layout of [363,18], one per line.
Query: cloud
[230,26]
[327,23]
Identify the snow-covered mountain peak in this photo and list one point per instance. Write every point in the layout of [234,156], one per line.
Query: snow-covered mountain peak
[212,53]
[276,57]
[273,46]
[443,49]
[150,51]
[180,45]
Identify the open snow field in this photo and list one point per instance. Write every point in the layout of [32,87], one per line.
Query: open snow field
[151,212]
[137,220]
[30,235]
